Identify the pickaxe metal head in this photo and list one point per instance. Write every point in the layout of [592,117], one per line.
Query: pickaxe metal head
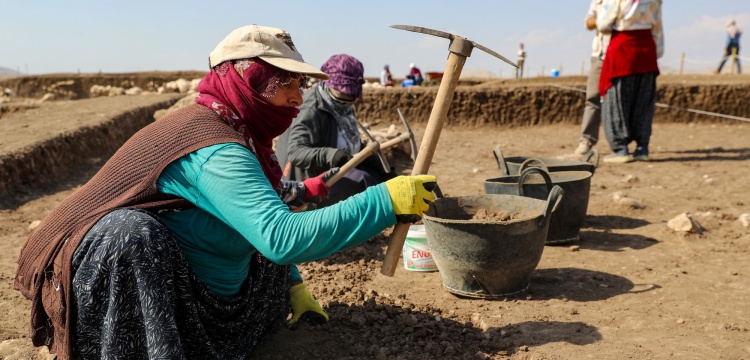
[381,156]
[458,44]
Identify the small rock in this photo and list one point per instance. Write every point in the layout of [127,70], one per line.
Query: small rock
[475,170]
[629,178]
[523,348]
[574,248]
[481,356]
[685,223]
[680,321]
[34,224]
[475,317]
[744,219]
[623,200]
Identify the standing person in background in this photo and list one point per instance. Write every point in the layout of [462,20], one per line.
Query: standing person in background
[415,74]
[732,47]
[592,114]
[628,77]
[325,134]
[180,247]
[385,76]
[521,60]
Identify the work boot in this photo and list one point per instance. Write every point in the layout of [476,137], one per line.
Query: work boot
[618,157]
[584,146]
[641,153]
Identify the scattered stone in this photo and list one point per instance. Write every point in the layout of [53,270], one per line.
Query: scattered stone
[744,219]
[134,91]
[47,97]
[34,224]
[574,248]
[475,170]
[685,223]
[629,178]
[481,356]
[680,321]
[623,200]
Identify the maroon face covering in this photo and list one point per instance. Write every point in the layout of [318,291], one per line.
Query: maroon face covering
[238,100]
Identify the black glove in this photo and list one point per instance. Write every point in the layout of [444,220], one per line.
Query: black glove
[340,158]
[292,193]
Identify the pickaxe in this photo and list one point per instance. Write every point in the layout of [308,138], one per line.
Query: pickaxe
[374,147]
[459,49]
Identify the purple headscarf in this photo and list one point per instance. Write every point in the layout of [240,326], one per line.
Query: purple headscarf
[347,74]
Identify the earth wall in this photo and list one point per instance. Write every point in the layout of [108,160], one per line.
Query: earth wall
[50,159]
[545,104]
[495,104]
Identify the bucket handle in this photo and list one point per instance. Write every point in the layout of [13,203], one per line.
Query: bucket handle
[501,164]
[554,198]
[533,162]
[533,170]
[592,154]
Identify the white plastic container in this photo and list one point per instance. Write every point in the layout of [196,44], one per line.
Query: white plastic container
[416,253]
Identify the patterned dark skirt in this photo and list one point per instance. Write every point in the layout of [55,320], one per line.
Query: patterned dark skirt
[136,297]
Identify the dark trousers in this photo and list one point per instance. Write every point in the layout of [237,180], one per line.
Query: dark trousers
[728,55]
[628,110]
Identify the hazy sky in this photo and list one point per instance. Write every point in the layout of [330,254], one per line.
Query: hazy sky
[127,36]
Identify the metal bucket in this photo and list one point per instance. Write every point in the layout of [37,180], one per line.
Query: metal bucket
[514,165]
[488,258]
[565,224]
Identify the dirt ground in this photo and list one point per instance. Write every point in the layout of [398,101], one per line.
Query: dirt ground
[632,288]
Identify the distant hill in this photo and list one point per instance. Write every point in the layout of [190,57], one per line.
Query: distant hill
[4,70]
[6,73]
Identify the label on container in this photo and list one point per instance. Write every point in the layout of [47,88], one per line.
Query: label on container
[416,252]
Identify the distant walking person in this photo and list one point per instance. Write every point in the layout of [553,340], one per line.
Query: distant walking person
[732,48]
[592,114]
[628,79]
[521,59]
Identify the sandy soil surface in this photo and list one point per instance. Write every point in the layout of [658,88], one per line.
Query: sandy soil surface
[632,288]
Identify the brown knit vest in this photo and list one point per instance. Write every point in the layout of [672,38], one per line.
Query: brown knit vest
[128,179]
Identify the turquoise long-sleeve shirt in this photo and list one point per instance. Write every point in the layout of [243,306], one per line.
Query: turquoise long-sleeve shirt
[238,213]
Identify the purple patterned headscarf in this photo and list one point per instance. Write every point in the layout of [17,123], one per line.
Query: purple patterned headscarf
[347,74]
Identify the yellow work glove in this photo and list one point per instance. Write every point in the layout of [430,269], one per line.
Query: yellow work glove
[305,307]
[411,196]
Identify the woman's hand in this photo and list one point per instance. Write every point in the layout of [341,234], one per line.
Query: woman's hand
[305,307]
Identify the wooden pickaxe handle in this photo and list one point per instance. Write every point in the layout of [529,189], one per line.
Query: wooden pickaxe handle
[426,151]
[372,147]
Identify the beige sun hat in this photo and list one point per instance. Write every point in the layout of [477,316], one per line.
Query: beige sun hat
[273,45]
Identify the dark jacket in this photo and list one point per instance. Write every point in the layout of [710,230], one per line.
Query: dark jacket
[306,149]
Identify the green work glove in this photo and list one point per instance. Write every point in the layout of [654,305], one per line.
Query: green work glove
[305,307]
[411,196]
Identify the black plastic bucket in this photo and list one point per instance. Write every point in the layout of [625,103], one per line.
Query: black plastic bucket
[488,258]
[514,165]
[565,225]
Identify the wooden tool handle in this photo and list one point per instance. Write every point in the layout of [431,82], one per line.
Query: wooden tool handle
[426,151]
[371,148]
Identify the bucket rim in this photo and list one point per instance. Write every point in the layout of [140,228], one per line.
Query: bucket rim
[577,175]
[542,203]
[455,221]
